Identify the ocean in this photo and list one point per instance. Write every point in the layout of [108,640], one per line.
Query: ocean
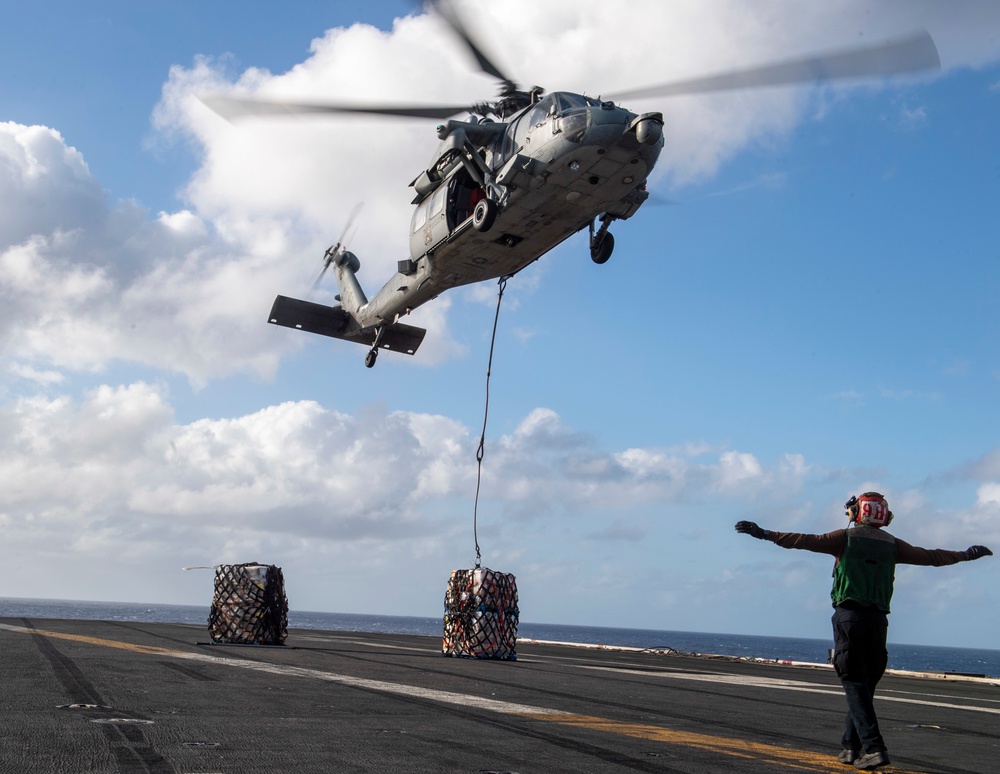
[918,658]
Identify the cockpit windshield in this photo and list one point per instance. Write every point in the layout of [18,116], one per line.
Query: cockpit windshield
[568,101]
[568,112]
[556,104]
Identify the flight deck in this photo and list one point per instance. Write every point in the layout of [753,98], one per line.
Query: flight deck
[92,696]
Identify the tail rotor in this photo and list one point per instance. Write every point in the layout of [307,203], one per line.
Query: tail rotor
[333,253]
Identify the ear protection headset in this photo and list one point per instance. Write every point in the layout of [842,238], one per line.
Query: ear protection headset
[869,510]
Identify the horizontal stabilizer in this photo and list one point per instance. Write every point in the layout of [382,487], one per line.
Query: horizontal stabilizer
[334,321]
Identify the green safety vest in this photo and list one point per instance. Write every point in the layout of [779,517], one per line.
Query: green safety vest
[866,568]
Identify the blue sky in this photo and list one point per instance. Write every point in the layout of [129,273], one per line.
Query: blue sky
[807,311]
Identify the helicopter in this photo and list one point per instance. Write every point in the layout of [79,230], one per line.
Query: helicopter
[520,175]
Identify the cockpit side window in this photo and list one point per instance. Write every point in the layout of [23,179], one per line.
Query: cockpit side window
[429,209]
[502,148]
[541,112]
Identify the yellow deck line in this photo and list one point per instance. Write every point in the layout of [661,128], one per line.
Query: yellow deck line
[790,757]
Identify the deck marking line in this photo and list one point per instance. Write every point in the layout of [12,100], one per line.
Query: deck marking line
[786,756]
[759,751]
[785,685]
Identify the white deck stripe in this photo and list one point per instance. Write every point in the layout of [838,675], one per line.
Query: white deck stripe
[783,685]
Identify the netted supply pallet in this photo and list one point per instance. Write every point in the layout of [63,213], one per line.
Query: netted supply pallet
[480,615]
[249,607]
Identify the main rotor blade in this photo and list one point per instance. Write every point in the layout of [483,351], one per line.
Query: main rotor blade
[235,108]
[446,10]
[905,55]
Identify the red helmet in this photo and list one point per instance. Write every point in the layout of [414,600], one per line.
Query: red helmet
[869,510]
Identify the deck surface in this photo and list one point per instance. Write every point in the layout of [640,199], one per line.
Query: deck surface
[91,696]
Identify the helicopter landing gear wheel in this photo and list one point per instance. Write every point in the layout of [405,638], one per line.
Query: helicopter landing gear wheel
[373,352]
[602,247]
[484,215]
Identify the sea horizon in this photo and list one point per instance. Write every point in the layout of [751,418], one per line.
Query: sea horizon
[921,658]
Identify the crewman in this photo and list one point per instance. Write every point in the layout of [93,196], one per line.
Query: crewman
[863,573]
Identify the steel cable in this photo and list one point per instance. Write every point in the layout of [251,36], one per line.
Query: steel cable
[481,451]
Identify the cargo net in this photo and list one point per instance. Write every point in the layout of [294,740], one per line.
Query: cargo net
[249,607]
[480,615]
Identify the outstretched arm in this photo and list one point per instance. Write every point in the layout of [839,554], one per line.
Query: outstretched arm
[831,543]
[936,557]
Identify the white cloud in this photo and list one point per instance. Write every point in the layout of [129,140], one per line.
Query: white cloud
[951,524]
[116,458]
[22,371]
[737,468]
[45,185]
[87,282]
[109,484]
[988,495]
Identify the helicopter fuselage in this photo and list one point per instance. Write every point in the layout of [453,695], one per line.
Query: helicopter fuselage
[498,195]
[546,172]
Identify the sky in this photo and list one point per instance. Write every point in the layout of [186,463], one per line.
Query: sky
[804,310]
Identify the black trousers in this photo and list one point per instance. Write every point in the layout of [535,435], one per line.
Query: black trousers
[860,658]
